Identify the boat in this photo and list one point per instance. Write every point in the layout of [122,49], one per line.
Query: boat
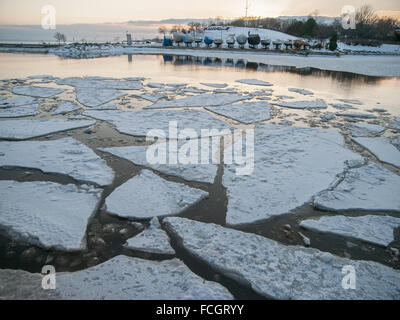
[266,43]
[198,38]
[230,41]
[188,40]
[242,40]
[254,40]
[208,41]
[178,37]
[167,42]
[277,44]
[288,44]
[218,42]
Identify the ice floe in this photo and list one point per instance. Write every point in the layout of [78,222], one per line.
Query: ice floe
[351,101]
[247,112]
[141,122]
[189,172]
[38,92]
[357,115]
[370,228]
[47,214]
[147,195]
[153,240]
[151,97]
[93,97]
[255,82]
[201,100]
[395,124]
[65,156]
[316,104]
[278,271]
[301,91]
[155,85]
[214,85]
[96,83]
[342,106]
[382,149]
[291,165]
[108,106]
[365,129]
[26,129]
[19,112]
[65,107]
[17,102]
[368,188]
[121,278]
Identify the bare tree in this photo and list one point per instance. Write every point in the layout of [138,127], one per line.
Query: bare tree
[366,15]
[60,37]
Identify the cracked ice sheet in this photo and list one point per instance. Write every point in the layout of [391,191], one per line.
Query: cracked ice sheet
[26,129]
[19,112]
[365,129]
[38,92]
[373,229]
[316,104]
[65,156]
[368,188]
[94,97]
[147,195]
[382,149]
[248,112]
[189,172]
[201,100]
[255,82]
[291,165]
[141,122]
[17,102]
[65,107]
[278,271]
[153,240]
[121,278]
[98,83]
[47,214]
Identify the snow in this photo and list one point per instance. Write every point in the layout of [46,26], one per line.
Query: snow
[26,129]
[151,97]
[248,112]
[140,122]
[201,100]
[47,214]
[65,107]
[316,104]
[255,82]
[93,97]
[357,115]
[17,102]
[365,129]
[368,188]
[214,85]
[291,165]
[301,91]
[19,112]
[37,92]
[65,156]
[282,272]
[189,172]
[377,230]
[153,240]
[382,149]
[147,195]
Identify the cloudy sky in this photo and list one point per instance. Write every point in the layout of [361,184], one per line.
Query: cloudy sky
[28,12]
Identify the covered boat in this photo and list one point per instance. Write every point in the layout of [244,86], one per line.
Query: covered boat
[242,40]
[188,39]
[218,42]
[266,43]
[230,40]
[254,40]
[208,41]
[178,37]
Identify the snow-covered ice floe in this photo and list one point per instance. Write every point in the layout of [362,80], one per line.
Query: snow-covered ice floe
[38,92]
[373,229]
[47,214]
[93,97]
[351,101]
[151,97]
[214,85]
[17,102]
[26,129]
[65,156]
[189,172]
[108,106]
[395,124]
[382,149]
[147,195]
[153,240]
[19,112]
[278,271]
[98,83]
[201,100]
[121,278]
[317,104]
[366,129]
[247,112]
[141,122]
[342,106]
[65,107]
[368,188]
[301,91]
[255,82]
[291,165]
[356,115]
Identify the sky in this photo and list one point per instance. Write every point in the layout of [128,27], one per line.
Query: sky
[28,12]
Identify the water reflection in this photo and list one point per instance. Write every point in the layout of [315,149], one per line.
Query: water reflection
[344,77]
